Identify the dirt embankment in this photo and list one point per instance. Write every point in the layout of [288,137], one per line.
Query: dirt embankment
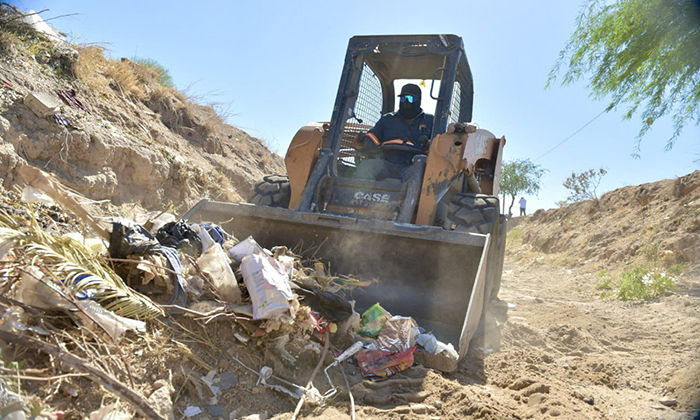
[658,221]
[132,140]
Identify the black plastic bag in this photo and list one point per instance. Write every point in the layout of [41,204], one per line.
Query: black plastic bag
[129,238]
[179,235]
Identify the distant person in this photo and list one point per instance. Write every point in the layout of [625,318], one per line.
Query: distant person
[396,139]
[523,204]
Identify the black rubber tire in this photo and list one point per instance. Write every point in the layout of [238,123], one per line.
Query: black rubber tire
[272,191]
[476,213]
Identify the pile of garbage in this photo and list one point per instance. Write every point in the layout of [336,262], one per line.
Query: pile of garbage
[113,276]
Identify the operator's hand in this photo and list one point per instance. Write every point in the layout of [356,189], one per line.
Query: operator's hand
[424,143]
[360,141]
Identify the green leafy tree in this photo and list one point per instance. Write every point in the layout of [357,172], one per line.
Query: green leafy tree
[520,176]
[582,186]
[640,53]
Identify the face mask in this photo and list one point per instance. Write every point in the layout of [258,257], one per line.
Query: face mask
[409,110]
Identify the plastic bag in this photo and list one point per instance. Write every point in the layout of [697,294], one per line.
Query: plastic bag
[33,195]
[112,323]
[380,364]
[215,231]
[180,235]
[437,355]
[246,247]
[216,263]
[129,238]
[432,345]
[397,334]
[373,320]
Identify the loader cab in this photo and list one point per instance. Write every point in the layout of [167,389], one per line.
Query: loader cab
[375,69]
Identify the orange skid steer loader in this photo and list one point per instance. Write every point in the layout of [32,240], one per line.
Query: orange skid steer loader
[434,243]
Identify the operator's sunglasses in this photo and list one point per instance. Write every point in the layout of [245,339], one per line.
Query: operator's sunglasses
[408,98]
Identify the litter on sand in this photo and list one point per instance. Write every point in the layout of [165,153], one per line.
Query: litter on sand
[290,308]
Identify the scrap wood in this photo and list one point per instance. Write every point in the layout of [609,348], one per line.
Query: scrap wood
[352,399]
[228,310]
[108,382]
[14,374]
[44,182]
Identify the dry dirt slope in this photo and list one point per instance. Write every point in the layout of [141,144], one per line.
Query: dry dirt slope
[656,222]
[135,141]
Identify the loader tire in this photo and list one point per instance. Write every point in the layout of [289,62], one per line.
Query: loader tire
[272,191]
[478,213]
[469,212]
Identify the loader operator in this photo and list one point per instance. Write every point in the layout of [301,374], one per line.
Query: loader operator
[396,138]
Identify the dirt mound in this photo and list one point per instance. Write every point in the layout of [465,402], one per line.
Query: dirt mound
[657,221]
[119,134]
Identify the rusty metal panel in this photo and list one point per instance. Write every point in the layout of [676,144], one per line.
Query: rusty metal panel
[301,157]
[443,165]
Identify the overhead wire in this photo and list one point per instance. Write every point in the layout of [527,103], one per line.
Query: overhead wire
[574,133]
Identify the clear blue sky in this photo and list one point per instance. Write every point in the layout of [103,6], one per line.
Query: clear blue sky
[278,63]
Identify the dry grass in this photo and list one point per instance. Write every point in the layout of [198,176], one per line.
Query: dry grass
[125,76]
[23,42]
[91,61]
[8,42]
[182,112]
[221,189]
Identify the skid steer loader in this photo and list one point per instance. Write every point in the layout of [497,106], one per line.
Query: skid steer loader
[435,243]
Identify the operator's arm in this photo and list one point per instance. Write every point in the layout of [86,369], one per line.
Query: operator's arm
[369,142]
[376,134]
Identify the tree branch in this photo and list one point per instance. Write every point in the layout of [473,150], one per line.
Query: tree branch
[110,383]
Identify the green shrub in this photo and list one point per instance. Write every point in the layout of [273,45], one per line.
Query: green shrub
[636,283]
[606,282]
[640,283]
[164,77]
[677,269]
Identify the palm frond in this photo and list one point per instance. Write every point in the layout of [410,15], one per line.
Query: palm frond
[79,270]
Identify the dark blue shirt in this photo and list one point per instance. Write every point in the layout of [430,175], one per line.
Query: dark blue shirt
[394,129]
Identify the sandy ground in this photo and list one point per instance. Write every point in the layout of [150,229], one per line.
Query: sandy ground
[551,348]
[563,353]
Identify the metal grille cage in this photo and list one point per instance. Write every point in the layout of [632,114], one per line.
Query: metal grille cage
[454,104]
[368,109]
[460,110]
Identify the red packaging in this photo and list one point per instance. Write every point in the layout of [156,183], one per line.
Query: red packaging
[381,364]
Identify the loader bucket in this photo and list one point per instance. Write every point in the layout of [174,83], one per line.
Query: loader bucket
[433,275]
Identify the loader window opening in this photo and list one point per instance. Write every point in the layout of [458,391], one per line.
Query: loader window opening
[427,103]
